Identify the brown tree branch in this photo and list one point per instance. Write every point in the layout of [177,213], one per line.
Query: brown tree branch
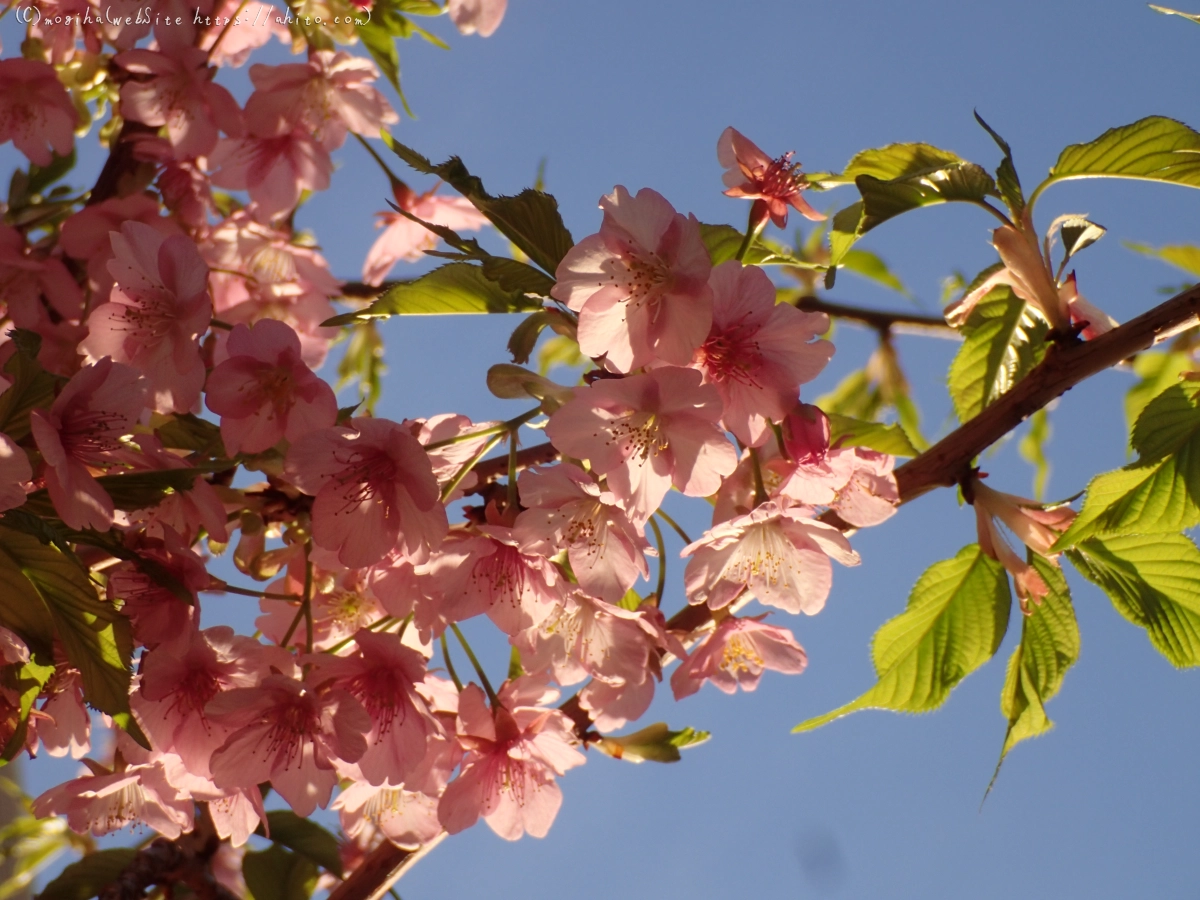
[382,868]
[879,319]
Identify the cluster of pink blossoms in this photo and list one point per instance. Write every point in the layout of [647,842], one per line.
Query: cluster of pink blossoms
[146,320]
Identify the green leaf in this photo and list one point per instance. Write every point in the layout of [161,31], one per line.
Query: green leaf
[530,219]
[954,622]
[1049,646]
[869,265]
[32,386]
[279,874]
[1182,256]
[306,838]
[1032,448]
[525,336]
[1154,149]
[44,595]
[1077,233]
[1007,181]
[1160,491]
[898,178]
[26,683]
[847,432]
[898,161]
[1003,340]
[1157,371]
[724,241]
[654,743]
[29,846]
[1154,582]
[185,431]
[883,200]
[866,393]
[453,288]
[85,878]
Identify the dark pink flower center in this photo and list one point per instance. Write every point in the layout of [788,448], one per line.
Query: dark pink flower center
[781,179]
[382,695]
[733,355]
[366,475]
[291,724]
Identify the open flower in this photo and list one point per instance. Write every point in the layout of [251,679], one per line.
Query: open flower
[265,392]
[773,184]
[640,285]
[758,352]
[645,433]
[736,654]
[82,431]
[514,750]
[287,732]
[155,314]
[36,112]
[776,553]
[1037,526]
[374,490]
[480,17]
[404,239]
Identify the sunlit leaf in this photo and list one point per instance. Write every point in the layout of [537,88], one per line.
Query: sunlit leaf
[955,620]
[1032,448]
[654,743]
[279,874]
[1049,647]
[1003,340]
[1154,582]
[1155,149]
[530,219]
[453,288]
[1007,182]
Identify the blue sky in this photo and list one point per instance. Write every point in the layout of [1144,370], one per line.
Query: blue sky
[875,805]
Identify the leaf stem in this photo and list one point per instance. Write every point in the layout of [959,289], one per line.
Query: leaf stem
[379,159]
[454,482]
[487,685]
[662,562]
[675,525]
[450,665]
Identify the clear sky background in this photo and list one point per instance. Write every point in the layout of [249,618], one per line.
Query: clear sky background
[876,805]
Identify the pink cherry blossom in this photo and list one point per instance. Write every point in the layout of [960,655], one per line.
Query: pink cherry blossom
[773,184]
[567,509]
[177,680]
[15,473]
[12,649]
[480,17]
[36,112]
[1091,320]
[640,285]
[185,188]
[64,726]
[328,97]
[514,750]
[81,431]
[274,167]
[406,818]
[404,239]
[86,235]
[37,289]
[736,654]
[855,482]
[1036,525]
[383,675]
[374,490]
[156,314]
[777,554]
[494,575]
[645,433]
[111,799]
[156,613]
[288,732]
[276,279]
[758,352]
[264,392]
[176,90]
